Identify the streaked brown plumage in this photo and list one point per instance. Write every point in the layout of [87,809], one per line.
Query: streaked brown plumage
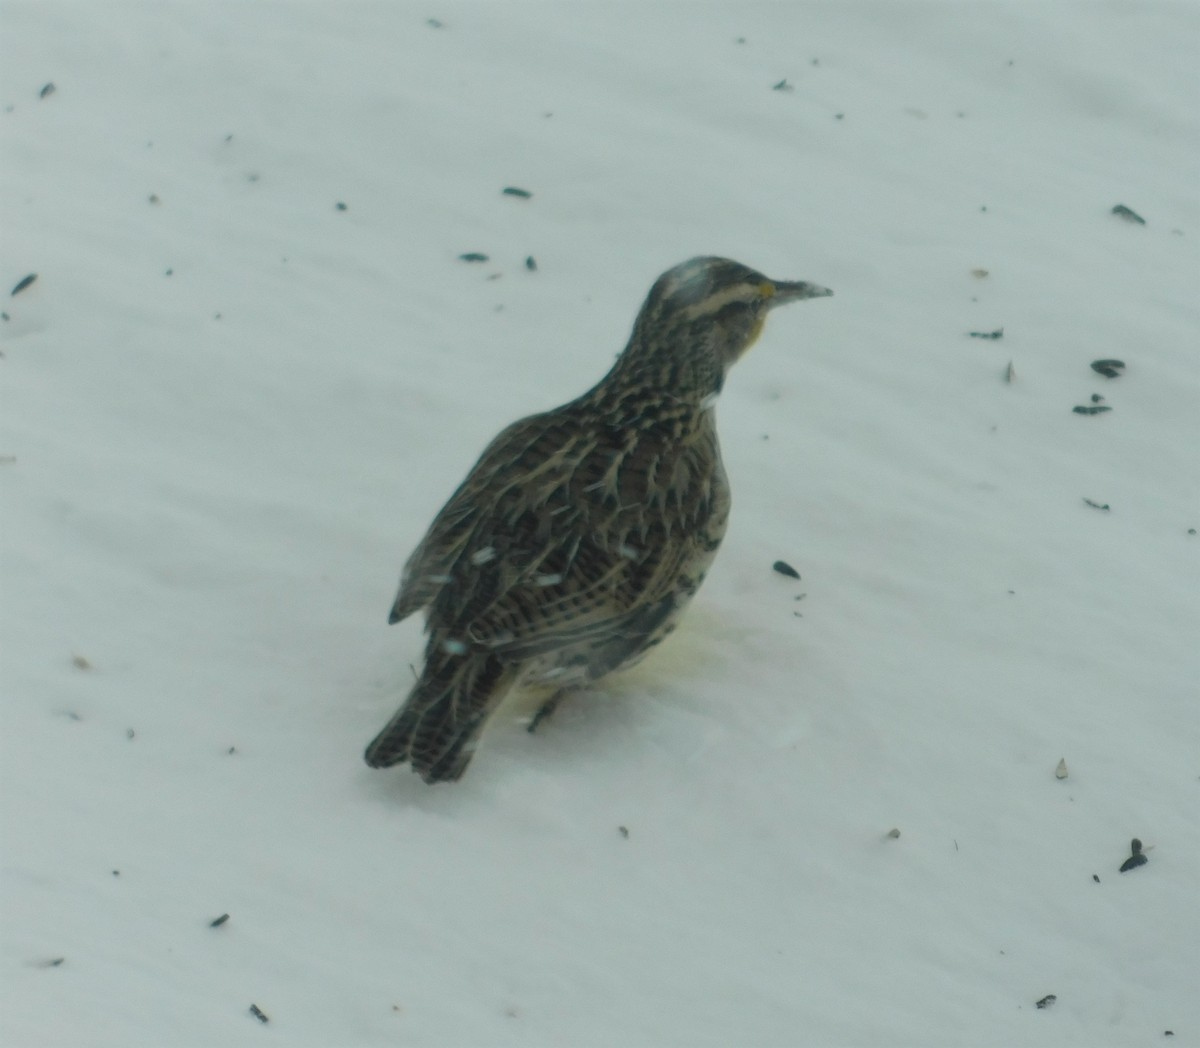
[580,535]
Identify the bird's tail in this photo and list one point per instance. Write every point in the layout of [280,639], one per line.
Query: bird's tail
[438,727]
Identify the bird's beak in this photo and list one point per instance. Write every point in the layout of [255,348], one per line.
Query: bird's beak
[796,290]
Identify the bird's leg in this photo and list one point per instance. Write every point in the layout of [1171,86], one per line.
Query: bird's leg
[546,709]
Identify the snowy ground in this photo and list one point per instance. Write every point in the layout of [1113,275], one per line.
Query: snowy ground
[230,408]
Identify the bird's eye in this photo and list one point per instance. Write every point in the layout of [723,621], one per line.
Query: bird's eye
[733,313]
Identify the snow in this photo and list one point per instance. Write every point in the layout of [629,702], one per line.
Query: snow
[230,408]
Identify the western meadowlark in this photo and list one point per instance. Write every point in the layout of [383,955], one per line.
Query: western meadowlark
[580,535]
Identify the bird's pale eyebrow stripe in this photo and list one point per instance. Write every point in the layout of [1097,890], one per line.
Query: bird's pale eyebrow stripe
[744,293]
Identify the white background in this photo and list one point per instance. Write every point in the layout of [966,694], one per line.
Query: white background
[230,409]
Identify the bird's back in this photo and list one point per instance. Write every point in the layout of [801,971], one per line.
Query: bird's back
[568,526]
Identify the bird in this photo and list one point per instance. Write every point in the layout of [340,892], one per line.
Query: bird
[580,535]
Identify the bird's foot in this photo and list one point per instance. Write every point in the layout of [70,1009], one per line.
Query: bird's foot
[545,710]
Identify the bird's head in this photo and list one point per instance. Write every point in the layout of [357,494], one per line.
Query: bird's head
[709,311]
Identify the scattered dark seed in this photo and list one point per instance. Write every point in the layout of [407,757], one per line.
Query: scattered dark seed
[433,23]
[216,922]
[531,263]
[340,205]
[1136,859]
[80,663]
[783,85]
[998,333]
[894,834]
[516,191]
[4,316]
[116,873]
[1090,409]
[154,198]
[130,733]
[1097,505]
[47,90]
[623,831]
[1010,372]
[1108,368]
[784,568]
[231,751]
[1097,399]
[259,1014]
[1191,531]
[52,962]
[1128,214]
[23,283]
[169,273]
[839,116]
[1096,877]
[229,137]
[1046,1001]
[1133,862]
[473,256]
[1168,1033]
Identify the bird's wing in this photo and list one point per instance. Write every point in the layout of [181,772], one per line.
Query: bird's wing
[432,563]
[561,533]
